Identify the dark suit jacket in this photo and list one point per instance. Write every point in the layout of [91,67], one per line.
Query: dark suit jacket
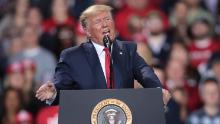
[79,68]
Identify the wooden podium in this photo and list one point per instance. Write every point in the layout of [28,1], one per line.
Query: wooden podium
[115,106]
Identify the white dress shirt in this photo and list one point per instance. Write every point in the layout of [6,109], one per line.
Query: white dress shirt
[101,54]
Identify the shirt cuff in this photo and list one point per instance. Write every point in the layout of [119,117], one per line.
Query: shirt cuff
[50,101]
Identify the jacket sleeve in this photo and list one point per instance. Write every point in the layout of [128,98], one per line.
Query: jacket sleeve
[62,78]
[143,73]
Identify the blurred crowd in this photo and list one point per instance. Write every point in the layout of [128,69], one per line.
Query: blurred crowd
[180,39]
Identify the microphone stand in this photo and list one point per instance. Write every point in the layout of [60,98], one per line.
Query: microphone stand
[108,44]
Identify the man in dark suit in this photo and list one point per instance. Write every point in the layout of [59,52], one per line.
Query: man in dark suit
[87,66]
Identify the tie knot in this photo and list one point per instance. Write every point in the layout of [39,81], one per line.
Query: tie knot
[106,49]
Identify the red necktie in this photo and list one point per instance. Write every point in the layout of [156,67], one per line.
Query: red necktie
[107,67]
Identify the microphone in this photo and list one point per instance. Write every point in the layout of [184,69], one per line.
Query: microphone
[107,42]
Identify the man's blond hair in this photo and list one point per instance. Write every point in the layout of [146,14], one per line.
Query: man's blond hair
[91,11]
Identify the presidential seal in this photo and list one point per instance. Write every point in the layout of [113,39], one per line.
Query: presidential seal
[111,111]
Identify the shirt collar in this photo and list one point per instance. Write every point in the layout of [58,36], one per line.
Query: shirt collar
[99,48]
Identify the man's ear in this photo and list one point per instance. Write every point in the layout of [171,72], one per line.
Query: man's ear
[88,34]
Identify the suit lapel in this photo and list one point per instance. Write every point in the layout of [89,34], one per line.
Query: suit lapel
[118,58]
[95,65]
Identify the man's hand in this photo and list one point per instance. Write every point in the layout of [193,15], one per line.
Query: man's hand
[46,91]
[166,96]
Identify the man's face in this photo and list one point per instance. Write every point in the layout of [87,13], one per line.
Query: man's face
[30,37]
[210,94]
[200,30]
[99,25]
[155,25]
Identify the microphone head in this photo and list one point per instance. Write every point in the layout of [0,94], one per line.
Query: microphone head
[107,41]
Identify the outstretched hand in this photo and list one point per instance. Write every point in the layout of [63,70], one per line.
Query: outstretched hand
[46,91]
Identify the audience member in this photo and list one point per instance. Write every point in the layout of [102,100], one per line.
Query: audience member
[181,97]
[175,78]
[12,105]
[210,112]
[45,61]
[132,8]
[202,45]
[15,76]
[157,38]
[178,21]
